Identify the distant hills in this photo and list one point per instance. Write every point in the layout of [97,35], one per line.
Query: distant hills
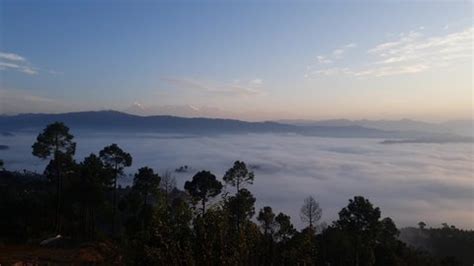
[123,122]
[114,120]
[459,127]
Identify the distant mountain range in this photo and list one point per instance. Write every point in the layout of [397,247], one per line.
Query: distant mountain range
[123,122]
[459,127]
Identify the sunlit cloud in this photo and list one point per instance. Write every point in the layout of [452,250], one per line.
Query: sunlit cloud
[11,61]
[335,54]
[331,71]
[412,52]
[257,82]
[16,62]
[350,45]
[377,72]
[391,70]
[18,67]
[433,50]
[12,57]
[323,60]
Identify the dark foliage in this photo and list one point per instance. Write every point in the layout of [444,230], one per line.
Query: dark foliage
[449,243]
[203,187]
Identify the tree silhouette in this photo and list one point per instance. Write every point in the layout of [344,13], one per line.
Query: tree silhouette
[115,159]
[310,212]
[422,225]
[266,217]
[285,227]
[238,175]
[146,182]
[240,207]
[359,215]
[360,221]
[88,190]
[203,186]
[55,142]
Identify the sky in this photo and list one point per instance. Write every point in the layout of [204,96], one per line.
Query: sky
[251,60]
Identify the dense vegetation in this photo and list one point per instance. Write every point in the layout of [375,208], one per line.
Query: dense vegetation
[155,223]
[446,242]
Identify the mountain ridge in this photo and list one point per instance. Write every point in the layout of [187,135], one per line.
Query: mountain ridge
[460,127]
[110,120]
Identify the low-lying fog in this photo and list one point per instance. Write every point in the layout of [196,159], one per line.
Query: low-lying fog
[410,182]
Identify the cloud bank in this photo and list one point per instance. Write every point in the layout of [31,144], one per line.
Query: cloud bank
[428,182]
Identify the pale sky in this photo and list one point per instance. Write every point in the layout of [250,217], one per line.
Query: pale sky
[241,59]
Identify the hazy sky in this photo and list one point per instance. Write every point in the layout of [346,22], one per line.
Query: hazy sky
[244,59]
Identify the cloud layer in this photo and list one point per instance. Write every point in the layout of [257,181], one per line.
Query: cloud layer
[428,182]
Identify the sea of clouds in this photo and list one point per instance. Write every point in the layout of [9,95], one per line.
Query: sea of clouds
[409,182]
